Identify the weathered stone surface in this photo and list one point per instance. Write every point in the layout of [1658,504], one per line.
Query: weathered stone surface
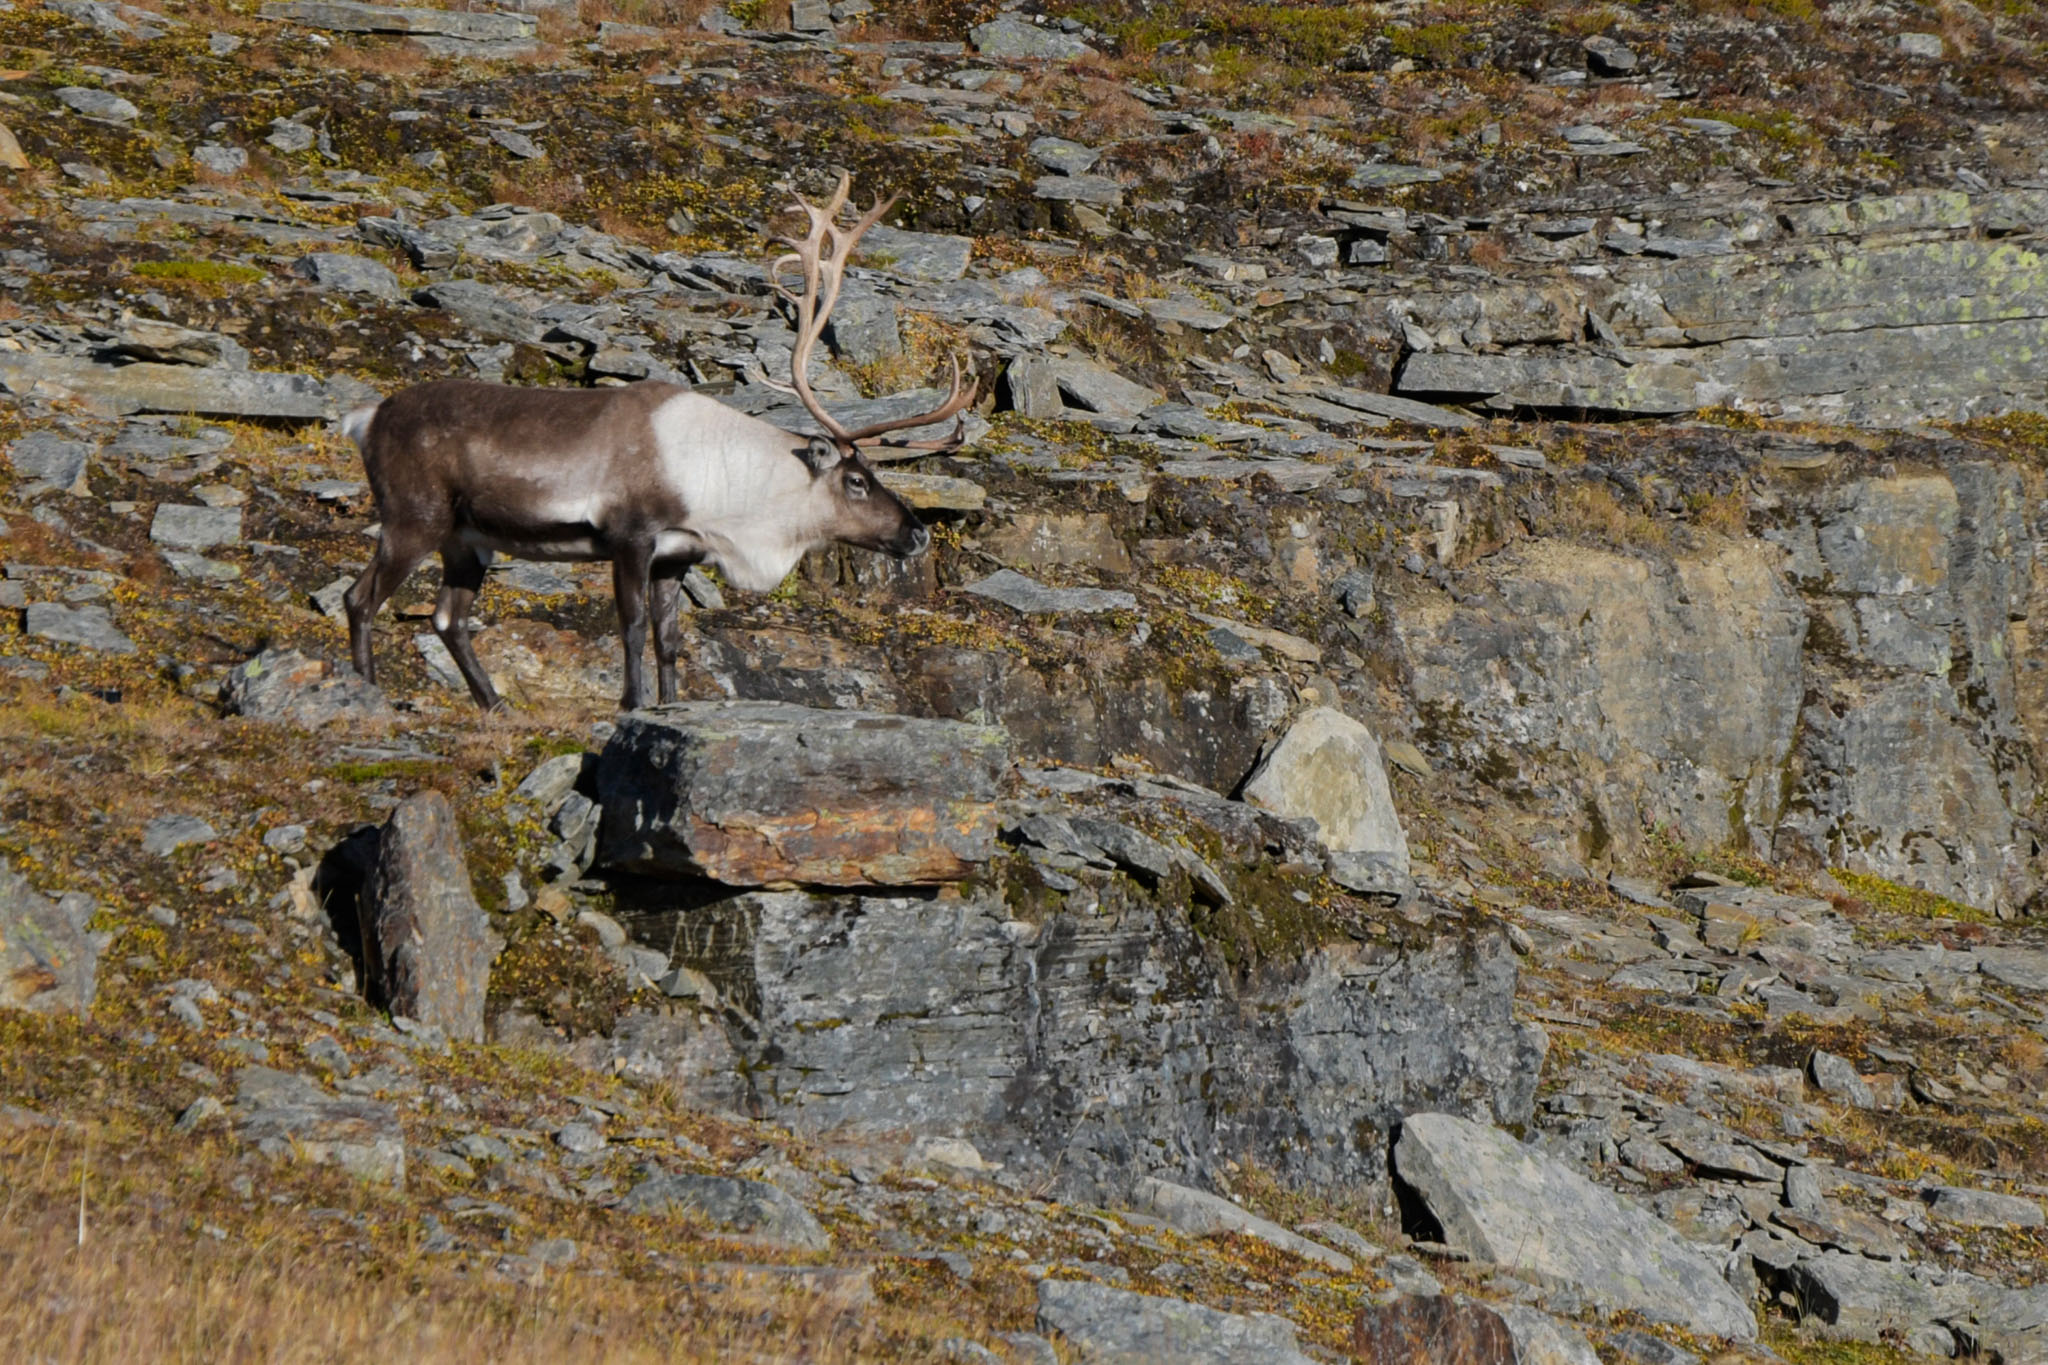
[1098,190]
[753,1208]
[151,339]
[863,328]
[427,948]
[1200,1214]
[1505,1203]
[1541,1339]
[99,104]
[284,685]
[290,1118]
[46,462]
[1060,540]
[341,16]
[1014,590]
[948,1016]
[49,964]
[346,274]
[927,256]
[210,392]
[166,834]
[185,527]
[1105,1326]
[88,627]
[1676,691]
[481,309]
[1431,1329]
[1983,1208]
[1327,768]
[1013,37]
[758,794]
[1865,1300]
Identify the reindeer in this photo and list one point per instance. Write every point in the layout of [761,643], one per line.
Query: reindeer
[651,476]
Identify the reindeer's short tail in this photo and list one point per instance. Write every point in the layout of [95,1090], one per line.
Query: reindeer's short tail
[356,426]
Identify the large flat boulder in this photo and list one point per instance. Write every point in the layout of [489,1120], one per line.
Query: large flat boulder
[771,794]
[288,1117]
[344,16]
[1531,1214]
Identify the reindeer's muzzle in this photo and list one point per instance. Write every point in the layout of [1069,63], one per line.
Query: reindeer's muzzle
[914,541]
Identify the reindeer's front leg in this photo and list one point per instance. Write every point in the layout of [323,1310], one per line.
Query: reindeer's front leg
[668,633]
[632,563]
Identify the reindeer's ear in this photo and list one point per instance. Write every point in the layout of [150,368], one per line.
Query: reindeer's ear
[820,454]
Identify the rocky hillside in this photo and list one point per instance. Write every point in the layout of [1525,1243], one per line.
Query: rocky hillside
[1459,783]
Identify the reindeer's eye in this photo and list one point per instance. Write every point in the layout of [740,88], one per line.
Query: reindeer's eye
[857,485]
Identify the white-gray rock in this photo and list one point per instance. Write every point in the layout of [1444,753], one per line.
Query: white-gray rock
[1014,590]
[1202,1215]
[1012,37]
[221,158]
[1983,1208]
[1536,1216]
[1105,1326]
[752,1208]
[348,274]
[1327,768]
[88,627]
[99,104]
[185,527]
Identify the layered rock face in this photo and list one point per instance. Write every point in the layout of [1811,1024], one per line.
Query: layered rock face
[1100,1005]
[1849,688]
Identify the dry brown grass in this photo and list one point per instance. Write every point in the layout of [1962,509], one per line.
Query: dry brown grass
[259,1281]
[380,57]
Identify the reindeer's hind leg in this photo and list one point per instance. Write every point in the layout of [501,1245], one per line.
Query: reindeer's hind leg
[668,632]
[398,554]
[462,574]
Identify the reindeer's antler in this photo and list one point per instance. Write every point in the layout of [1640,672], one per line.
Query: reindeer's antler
[821,256]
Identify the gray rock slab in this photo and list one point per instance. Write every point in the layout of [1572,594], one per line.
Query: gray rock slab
[99,104]
[88,627]
[752,1208]
[49,963]
[166,342]
[427,946]
[1327,768]
[287,687]
[1097,190]
[1106,1326]
[340,16]
[864,327]
[1554,381]
[166,834]
[926,256]
[1866,1300]
[1541,1339]
[766,793]
[211,392]
[1396,408]
[220,158]
[289,1117]
[45,462]
[1187,312]
[181,526]
[347,274]
[1061,157]
[2024,968]
[1013,37]
[482,309]
[1983,1208]
[1532,1214]
[1020,593]
[1201,1214]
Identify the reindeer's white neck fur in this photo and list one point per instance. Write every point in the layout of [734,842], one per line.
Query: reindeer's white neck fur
[752,504]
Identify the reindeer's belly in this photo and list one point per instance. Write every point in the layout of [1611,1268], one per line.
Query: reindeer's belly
[563,544]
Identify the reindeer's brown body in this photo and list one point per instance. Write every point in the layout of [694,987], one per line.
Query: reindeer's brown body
[650,476]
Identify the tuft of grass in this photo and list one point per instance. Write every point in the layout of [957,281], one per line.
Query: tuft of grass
[1893,898]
